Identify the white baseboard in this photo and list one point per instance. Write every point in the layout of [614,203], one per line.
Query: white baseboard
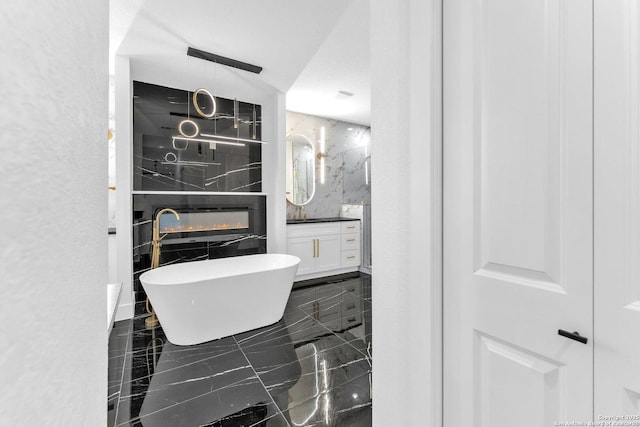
[113,300]
[125,311]
[325,273]
[366,270]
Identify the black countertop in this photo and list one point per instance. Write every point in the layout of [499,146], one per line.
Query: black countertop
[316,220]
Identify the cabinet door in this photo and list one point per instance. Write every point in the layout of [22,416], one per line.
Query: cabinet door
[329,252]
[302,247]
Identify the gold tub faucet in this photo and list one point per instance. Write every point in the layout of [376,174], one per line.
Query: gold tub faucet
[155,254]
[152,321]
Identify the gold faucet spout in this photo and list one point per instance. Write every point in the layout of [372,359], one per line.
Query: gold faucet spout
[167,210]
[155,254]
[152,321]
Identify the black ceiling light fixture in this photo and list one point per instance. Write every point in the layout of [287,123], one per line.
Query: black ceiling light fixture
[207,56]
[219,139]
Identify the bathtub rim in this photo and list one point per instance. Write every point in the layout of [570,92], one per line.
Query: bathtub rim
[147,278]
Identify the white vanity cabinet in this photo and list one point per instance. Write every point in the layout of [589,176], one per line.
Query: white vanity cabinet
[318,245]
[350,232]
[324,248]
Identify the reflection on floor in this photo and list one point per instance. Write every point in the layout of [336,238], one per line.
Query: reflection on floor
[313,368]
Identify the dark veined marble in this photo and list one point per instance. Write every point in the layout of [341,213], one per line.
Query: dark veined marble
[186,247]
[312,368]
[162,163]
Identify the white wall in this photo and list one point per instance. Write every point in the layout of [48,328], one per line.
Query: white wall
[53,362]
[124,239]
[406,194]
[188,73]
[274,174]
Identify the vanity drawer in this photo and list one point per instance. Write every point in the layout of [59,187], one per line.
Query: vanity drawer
[351,258]
[350,241]
[350,227]
[298,230]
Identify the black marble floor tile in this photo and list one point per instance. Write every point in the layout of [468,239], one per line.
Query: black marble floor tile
[117,349]
[311,368]
[368,330]
[112,408]
[269,348]
[285,333]
[242,403]
[355,285]
[307,296]
[118,343]
[320,366]
[350,319]
[346,404]
[148,346]
[173,384]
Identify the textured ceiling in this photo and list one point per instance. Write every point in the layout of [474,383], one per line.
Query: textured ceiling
[341,64]
[308,49]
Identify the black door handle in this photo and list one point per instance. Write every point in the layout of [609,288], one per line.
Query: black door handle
[573,336]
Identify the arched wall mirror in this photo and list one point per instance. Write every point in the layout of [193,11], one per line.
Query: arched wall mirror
[301,170]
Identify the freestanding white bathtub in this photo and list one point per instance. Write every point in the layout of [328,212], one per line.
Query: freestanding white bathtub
[205,300]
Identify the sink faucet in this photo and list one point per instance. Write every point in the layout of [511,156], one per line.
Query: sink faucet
[152,321]
[301,212]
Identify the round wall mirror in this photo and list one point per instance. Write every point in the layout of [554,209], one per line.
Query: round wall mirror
[301,170]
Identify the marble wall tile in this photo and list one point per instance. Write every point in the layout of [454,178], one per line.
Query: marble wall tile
[347,163]
[215,244]
[163,164]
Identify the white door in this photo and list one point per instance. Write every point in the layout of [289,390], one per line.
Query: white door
[617,211]
[518,212]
